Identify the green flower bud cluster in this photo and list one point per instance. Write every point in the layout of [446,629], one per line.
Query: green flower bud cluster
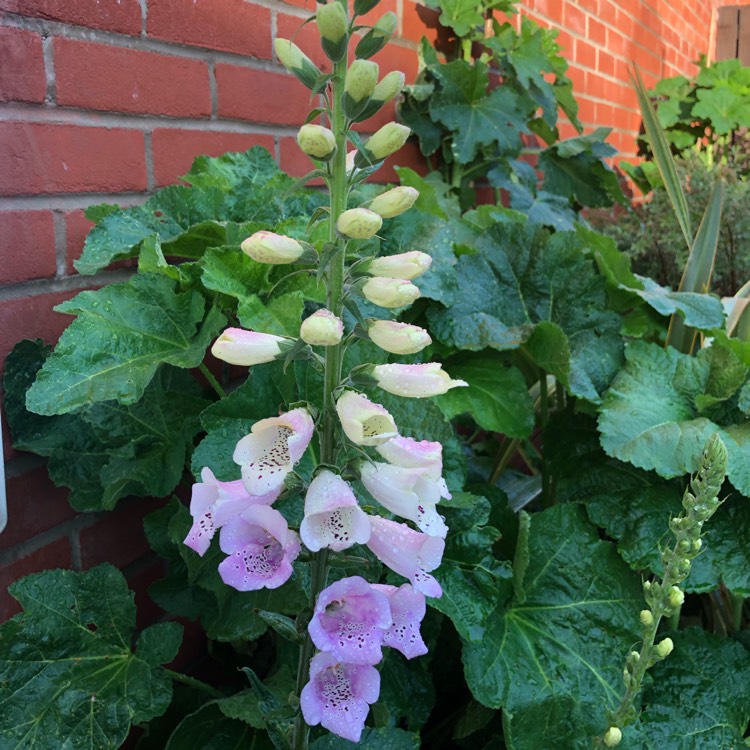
[665,597]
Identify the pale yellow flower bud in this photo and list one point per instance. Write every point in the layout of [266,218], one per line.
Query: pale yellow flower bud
[322,328]
[612,737]
[647,618]
[676,596]
[361,79]
[269,247]
[390,85]
[317,141]
[390,292]
[296,62]
[394,202]
[332,21]
[664,648]
[387,140]
[359,223]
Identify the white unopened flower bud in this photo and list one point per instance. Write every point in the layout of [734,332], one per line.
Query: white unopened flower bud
[646,618]
[359,223]
[317,141]
[398,338]
[240,347]
[361,79]
[272,248]
[401,266]
[387,140]
[664,648]
[612,737]
[388,292]
[322,328]
[394,202]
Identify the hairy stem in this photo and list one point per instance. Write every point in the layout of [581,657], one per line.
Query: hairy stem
[333,363]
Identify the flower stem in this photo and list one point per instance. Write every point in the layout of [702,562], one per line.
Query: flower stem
[333,362]
[212,381]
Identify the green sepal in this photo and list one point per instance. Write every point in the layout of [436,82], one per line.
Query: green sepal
[335,51]
[309,76]
[370,44]
[372,108]
[353,109]
[364,6]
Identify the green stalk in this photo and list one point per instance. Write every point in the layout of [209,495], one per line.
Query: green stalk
[333,364]
[212,381]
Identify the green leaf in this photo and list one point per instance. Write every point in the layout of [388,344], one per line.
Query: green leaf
[541,656]
[232,171]
[518,278]
[650,418]
[68,677]
[575,168]
[121,335]
[209,729]
[384,738]
[407,692]
[476,117]
[700,695]
[699,267]
[497,397]
[463,16]
[108,451]
[281,315]
[664,159]
[247,705]
[231,272]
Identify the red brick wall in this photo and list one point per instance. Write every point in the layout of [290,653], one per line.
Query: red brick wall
[602,38]
[106,100]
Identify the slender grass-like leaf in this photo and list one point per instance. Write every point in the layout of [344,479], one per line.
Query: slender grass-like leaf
[663,157]
[738,319]
[699,267]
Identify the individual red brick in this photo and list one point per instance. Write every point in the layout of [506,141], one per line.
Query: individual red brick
[305,37]
[117,538]
[77,226]
[113,15]
[27,246]
[597,33]
[53,556]
[409,156]
[22,77]
[586,111]
[606,63]
[42,158]
[30,318]
[574,19]
[34,505]
[229,25]
[115,79]
[259,96]
[174,150]
[552,9]
[585,54]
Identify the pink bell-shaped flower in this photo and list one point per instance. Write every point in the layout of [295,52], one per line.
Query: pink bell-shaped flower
[261,550]
[364,422]
[213,503]
[271,449]
[333,517]
[409,493]
[407,552]
[350,620]
[408,608]
[240,347]
[417,454]
[339,695]
[415,381]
